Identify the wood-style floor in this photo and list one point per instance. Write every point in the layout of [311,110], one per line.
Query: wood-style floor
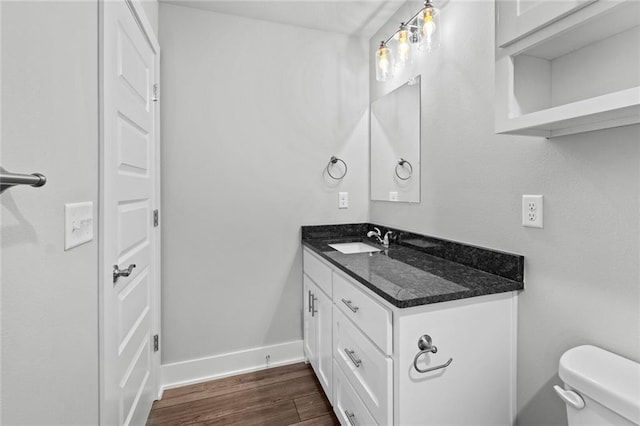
[289,395]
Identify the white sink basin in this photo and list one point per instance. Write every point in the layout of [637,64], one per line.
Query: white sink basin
[351,248]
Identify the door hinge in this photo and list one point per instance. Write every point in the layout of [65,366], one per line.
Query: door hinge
[156,218]
[155,92]
[156,343]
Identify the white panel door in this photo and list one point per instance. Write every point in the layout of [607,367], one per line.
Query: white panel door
[128,237]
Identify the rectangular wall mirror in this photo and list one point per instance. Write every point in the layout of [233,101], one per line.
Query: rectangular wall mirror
[395,145]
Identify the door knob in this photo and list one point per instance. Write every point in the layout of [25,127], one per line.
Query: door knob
[117,272]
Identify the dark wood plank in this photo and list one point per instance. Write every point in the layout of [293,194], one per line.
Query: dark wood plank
[275,396]
[280,413]
[311,406]
[232,384]
[326,420]
[229,403]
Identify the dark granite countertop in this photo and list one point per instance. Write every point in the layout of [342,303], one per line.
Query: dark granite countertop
[416,269]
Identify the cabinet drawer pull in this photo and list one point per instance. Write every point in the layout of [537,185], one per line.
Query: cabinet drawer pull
[350,306]
[352,357]
[314,311]
[309,301]
[350,417]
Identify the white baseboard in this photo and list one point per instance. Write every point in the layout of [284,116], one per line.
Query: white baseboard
[214,367]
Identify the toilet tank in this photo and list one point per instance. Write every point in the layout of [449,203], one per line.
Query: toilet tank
[606,385]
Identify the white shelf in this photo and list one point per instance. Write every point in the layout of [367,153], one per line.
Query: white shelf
[611,110]
[578,74]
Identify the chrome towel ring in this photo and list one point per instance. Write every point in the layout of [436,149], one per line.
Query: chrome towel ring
[401,163]
[425,345]
[331,163]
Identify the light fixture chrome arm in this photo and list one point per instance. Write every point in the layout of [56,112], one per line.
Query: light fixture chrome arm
[390,37]
[410,23]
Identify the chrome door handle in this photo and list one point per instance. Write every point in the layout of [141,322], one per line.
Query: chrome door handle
[309,301]
[350,417]
[350,306]
[352,357]
[117,272]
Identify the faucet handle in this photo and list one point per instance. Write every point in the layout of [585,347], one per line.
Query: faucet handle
[378,231]
[385,241]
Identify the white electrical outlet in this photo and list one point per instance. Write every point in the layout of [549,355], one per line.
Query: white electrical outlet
[343,200]
[393,196]
[532,211]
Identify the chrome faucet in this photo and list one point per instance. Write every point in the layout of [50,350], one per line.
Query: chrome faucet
[382,240]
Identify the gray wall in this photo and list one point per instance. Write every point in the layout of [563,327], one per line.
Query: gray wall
[49,300]
[581,271]
[252,112]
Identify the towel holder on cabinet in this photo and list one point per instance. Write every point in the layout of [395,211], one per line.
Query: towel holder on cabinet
[425,345]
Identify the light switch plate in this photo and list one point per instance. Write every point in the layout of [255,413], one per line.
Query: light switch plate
[78,224]
[343,200]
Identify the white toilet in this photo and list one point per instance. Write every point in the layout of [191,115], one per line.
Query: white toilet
[601,388]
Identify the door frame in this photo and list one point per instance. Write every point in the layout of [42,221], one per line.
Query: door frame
[139,15]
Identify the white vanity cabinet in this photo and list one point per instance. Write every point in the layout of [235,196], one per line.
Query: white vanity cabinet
[566,67]
[375,346]
[318,320]
[478,387]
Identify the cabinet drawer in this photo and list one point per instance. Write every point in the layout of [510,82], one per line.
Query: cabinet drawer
[318,271]
[349,409]
[371,317]
[368,370]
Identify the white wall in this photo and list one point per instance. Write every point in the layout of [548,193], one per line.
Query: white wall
[49,300]
[252,112]
[582,278]
[151,11]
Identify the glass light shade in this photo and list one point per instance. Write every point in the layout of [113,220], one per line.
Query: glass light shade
[403,55]
[384,63]
[429,23]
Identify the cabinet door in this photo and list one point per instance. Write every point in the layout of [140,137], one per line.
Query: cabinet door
[309,324]
[323,322]
[519,18]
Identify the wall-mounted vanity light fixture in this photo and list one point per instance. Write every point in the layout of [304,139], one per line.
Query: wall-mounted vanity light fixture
[421,32]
